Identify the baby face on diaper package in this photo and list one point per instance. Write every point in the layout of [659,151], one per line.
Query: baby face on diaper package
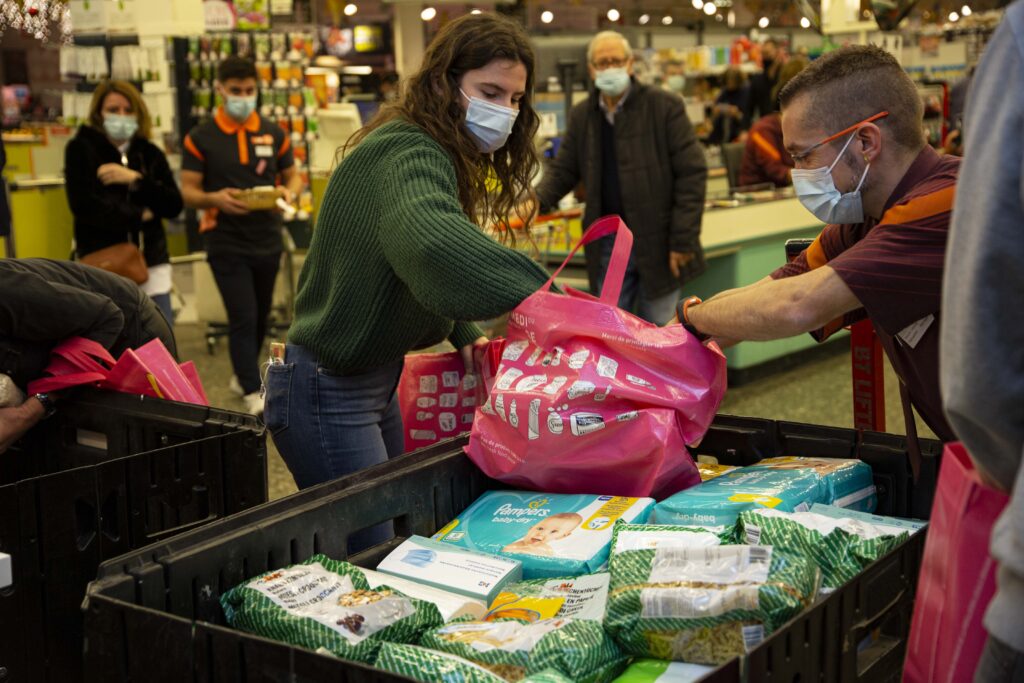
[789,484]
[553,535]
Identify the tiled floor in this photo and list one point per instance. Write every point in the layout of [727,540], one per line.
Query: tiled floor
[817,392]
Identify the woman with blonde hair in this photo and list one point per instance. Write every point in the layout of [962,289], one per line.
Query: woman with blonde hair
[120,187]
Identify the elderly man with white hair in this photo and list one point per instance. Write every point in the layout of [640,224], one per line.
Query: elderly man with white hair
[636,154]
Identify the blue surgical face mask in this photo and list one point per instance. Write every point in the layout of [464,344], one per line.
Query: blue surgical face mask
[612,82]
[120,127]
[816,190]
[239,107]
[489,123]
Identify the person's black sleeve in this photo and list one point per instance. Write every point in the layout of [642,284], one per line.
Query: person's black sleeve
[157,188]
[34,309]
[89,201]
[563,173]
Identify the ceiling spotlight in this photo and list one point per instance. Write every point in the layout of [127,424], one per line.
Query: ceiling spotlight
[697,4]
[805,22]
[953,16]
[547,16]
[613,14]
[350,9]
[731,19]
[709,8]
[763,22]
[644,18]
[428,13]
[965,11]
[719,17]
[475,11]
[666,20]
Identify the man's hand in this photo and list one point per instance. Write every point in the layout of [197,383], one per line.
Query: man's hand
[286,194]
[467,354]
[677,260]
[226,201]
[116,174]
[14,422]
[147,215]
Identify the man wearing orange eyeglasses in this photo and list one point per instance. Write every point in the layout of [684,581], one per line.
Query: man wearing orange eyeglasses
[852,123]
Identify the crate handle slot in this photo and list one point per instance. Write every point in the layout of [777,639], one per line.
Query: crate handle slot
[109,519]
[858,629]
[85,523]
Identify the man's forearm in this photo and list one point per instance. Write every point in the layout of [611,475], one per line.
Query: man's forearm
[196,198]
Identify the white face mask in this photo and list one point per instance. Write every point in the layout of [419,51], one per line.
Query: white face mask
[489,123]
[816,190]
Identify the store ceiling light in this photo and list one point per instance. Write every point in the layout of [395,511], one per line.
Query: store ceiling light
[965,11]
[731,19]
[666,20]
[709,8]
[719,17]
[547,16]
[428,13]
[613,14]
[697,4]
[763,22]
[644,18]
[475,11]
[953,16]
[805,22]
[350,9]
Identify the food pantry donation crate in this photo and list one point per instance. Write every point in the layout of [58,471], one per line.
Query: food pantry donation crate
[154,614]
[107,474]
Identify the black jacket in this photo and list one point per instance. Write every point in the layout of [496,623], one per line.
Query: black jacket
[109,214]
[662,176]
[44,302]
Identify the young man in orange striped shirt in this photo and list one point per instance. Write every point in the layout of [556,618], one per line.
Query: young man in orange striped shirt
[852,123]
[238,149]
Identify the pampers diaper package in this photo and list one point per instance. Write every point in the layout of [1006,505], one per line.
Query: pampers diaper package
[450,568]
[787,484]
[553,535]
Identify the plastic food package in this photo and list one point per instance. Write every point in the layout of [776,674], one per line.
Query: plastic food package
[840,547]
[658,671]
[583,597]
[704,605]
[326,603]
[651,536]
[787,484]
[709,470]
[431,666]
[553,535]
[450,605]
[576,648]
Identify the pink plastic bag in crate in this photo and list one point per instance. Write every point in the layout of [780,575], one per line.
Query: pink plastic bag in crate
[957,579]
[592,399]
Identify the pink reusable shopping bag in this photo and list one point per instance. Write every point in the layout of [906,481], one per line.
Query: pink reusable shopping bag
[957,579]
[591,399]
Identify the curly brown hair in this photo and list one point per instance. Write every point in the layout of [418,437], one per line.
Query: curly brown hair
[430,99]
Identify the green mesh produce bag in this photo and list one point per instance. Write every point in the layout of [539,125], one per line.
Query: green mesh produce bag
[431,666]
[576,648]
[704,605]
[840,547]
[326,603]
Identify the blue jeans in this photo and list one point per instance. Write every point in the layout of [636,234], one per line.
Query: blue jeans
[327,425]
[658,310]
[163,301]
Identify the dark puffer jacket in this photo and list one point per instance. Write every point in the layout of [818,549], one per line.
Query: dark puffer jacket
[110,214]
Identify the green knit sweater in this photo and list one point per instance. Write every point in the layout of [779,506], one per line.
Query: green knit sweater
[394,264]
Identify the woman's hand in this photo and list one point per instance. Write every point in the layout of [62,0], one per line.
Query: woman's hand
[116,174]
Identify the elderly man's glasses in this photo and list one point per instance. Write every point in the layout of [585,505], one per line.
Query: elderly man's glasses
[610,63]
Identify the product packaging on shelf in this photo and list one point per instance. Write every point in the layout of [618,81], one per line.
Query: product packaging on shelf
[475,575]
[553,535]
[789,484]
[326,603]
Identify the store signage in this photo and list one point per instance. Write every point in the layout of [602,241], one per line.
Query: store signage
[369,38]
[218,15]
[252,15]
[282,6]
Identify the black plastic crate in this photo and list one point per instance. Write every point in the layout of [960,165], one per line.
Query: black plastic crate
[154,614]
[107,474]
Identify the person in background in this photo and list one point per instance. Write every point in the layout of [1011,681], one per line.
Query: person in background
[398,259]
[852,123]
[763,85]
[45,302]
[119,186]
[239,149]
[983,384]
[765,159]
[675,77]
[388,91]
[730,114]
[633,148]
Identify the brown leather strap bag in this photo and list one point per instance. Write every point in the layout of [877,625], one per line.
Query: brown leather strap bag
[123,259]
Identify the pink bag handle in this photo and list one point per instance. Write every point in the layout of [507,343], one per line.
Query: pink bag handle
[603,227]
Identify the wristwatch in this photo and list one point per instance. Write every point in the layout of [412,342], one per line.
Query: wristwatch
[49,407]
[682,310]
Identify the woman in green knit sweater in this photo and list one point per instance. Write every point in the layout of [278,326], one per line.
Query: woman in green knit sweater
[398,259]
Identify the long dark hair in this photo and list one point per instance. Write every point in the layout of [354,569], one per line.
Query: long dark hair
[431,100]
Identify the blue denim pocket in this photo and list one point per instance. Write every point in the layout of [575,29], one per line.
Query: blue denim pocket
[279,389]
